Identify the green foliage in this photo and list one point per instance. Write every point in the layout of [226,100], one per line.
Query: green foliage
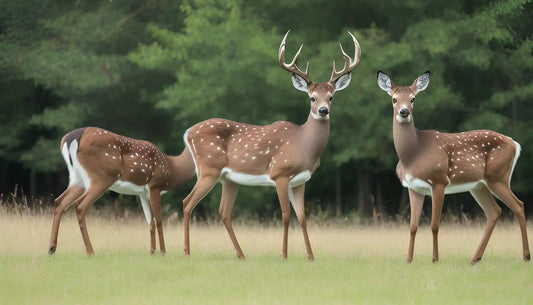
[151,69]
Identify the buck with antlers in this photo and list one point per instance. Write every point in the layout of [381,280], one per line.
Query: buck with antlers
[99,160]
[432,163]
[282,154]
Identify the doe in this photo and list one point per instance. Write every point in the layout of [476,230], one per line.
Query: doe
[99,160]
[434,164]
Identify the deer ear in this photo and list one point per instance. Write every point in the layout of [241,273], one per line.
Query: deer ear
[422,82]
[299,83]
[343,82]
[384,82]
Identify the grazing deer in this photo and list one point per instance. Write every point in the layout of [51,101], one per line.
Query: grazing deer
[432,163]
[282,154]
[99,160]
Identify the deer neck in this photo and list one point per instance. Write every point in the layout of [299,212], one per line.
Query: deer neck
[405,140]
[181,168]
[314,136]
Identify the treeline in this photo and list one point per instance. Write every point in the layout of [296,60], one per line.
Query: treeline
[149,69]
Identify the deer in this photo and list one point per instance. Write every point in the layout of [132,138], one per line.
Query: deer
[283,155]
[99,160]
[433,164]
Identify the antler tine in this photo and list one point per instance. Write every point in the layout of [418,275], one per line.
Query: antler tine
[292,67]
[349,65]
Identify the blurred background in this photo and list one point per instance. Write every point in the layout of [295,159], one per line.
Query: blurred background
[149,69]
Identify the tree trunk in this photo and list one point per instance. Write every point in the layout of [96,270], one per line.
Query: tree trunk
[338,192]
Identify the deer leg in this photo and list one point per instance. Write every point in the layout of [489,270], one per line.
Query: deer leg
[282,188]
[297,197]
[437,199]
[416,202]
[202,187]
[484,198]
[152,236]
[155,203]
[150,220]
[61,203]
[229,194]
[83,203]
[504,193]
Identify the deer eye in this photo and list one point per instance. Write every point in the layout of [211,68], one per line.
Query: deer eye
[331,98]
[412,100]
[313,99]
[394,100]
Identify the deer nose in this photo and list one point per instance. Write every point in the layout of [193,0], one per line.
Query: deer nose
[323,111]
[404,112]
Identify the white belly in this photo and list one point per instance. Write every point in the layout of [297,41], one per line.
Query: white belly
[128,188]
[262,180]
[424,187]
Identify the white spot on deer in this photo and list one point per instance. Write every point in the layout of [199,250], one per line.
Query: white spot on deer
[212,126]
[437,136]
[211,143]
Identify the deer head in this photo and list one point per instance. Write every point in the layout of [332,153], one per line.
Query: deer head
[403,97]
[320,94]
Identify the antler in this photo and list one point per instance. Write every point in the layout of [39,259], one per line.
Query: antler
[292,66]
[348,64]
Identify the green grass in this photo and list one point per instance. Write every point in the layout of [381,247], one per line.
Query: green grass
[354,265]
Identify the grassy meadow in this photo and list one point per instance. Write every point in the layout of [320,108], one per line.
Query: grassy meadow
[353,265]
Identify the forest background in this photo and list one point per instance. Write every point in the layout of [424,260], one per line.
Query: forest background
[150,69]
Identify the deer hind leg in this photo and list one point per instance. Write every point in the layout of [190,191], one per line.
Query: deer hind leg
[282,188]
[484,198]
[416,201]
[297,198]
[202,187]
[229,194]
[61,204]
[437,199]
[503,192]
[155,203]
[83,203]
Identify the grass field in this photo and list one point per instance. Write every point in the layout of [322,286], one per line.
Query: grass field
[354,265]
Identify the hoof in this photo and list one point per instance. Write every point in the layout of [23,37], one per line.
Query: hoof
[52,251]
[527,258]
[475,261]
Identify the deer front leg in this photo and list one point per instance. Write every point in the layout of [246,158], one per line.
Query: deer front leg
[282,188]
[437,199]
[298,201]
[155,203]
[416,202]
[229,194]
[149,219]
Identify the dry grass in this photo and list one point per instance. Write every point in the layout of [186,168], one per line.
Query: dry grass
[354,265]
[23,233]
